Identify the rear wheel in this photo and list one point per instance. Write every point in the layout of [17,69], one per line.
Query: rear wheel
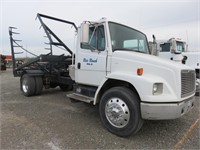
[39,85]
[28,85]
[120,111]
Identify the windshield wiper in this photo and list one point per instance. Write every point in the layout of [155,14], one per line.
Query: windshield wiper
[118,49]
[139,51]
[128,49]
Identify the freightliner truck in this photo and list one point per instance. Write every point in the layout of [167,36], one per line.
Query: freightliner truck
[110,66]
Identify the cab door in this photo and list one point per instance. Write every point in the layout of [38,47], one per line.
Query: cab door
[91,59]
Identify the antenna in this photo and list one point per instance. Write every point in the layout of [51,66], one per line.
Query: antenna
[187,40]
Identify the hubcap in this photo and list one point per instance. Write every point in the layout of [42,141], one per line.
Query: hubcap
[117,112]
[25,86]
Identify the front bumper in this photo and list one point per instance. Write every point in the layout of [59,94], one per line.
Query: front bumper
[164,111]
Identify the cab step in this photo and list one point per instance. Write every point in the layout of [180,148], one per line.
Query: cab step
[80,97]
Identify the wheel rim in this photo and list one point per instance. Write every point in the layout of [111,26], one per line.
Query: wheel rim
[25,86]
[117,112]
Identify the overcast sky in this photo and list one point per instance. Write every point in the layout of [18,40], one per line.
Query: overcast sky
[163,18]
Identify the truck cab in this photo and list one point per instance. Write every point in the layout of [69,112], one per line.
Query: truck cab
[113,67]
[172,49]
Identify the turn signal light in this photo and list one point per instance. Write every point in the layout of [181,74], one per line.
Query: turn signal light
[140,71]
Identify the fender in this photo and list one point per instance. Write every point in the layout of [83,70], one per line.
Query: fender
[143,85]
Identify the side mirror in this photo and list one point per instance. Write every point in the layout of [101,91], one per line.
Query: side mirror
[85,33]
[173,46]
[185,47]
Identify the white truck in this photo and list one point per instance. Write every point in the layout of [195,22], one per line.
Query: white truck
[112,67]
[177,50]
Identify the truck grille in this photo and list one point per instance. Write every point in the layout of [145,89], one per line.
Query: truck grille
[187,82]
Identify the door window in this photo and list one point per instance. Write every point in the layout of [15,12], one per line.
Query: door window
[96,39]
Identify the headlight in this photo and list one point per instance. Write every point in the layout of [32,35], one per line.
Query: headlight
[157,88]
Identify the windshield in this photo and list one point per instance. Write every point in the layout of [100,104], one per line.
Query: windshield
[180,46]
[165,47]
[126,38]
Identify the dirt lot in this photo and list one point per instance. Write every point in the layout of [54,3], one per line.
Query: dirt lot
[52,121]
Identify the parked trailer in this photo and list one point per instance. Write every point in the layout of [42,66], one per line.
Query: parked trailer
[46,70]
[111,66]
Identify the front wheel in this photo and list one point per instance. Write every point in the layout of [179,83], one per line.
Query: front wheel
[120,111]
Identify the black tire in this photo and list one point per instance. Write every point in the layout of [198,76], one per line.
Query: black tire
[121,103]
[27,85]
[39,85]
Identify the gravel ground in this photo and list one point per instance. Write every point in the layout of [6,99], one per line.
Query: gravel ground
[52,121]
